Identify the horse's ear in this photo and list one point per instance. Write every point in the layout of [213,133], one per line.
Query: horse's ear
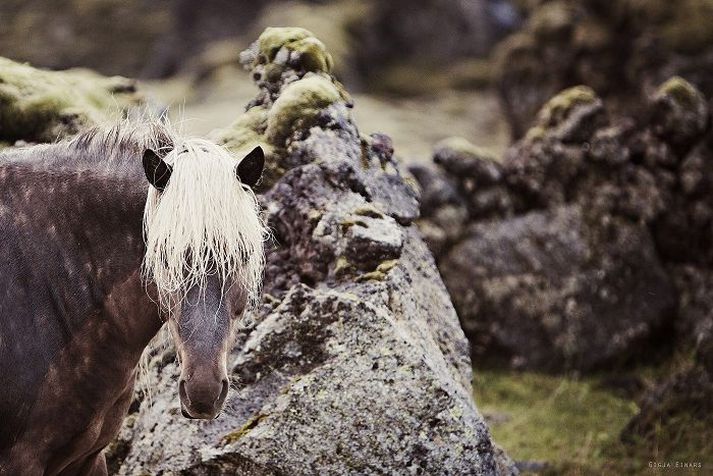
[249,170]
[157,171]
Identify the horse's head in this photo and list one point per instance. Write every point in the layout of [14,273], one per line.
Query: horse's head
[204,253]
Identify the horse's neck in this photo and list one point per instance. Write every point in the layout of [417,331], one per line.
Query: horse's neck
[80,238]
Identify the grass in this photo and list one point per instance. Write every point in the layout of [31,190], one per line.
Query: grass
[573,425]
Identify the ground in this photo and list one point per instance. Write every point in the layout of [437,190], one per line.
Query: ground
[571,425]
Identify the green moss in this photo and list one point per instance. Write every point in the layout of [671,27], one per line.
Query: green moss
[558,108]
[234,436]
[313,53]
[370,212]
[246,132]
[346,224]
[38,105]
[535,133]
[298,106]
[343,265]
[681,91]
[463,147]
[371,276]
[380,273]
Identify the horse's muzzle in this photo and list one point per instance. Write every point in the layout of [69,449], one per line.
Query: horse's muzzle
[202,400]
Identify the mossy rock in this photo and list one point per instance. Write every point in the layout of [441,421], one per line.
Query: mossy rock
[681,91]
[680,113]
[42,106]
[313,55]
[299,105]
[559,107]
[552,20]
[247,131]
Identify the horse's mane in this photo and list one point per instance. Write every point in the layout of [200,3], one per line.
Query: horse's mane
[204,223]
[119,144]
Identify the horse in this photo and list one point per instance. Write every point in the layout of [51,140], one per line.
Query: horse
[105,238]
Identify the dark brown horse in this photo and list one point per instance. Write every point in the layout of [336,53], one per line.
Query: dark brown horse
[102,240]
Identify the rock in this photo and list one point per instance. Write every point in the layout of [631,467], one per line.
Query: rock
[347,370]
[458,156]
[590,215]
[291,68]
[571,116]
[41,106]
[552,290]
[679,113]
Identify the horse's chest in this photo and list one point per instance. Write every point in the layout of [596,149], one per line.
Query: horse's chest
[80,404]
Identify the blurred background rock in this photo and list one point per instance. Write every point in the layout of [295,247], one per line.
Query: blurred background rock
[565,158]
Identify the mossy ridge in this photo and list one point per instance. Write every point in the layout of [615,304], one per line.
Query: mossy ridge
[41,106]
[312,52]
[558,108]
[683,92]
[299,105]
[296,92]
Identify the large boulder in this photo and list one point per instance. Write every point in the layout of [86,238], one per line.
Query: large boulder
[554,290]
[355,363]
[589,242]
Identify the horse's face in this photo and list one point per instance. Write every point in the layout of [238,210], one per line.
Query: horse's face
[203,330]
[204,252]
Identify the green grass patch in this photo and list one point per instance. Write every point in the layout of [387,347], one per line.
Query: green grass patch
[569,423]
[574,425]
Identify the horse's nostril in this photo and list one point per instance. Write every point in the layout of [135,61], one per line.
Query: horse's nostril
[224,391]
[182,391]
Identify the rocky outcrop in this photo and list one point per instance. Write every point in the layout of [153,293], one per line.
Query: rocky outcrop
[622,49]
[355,363]
[42,106]
[590,241]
